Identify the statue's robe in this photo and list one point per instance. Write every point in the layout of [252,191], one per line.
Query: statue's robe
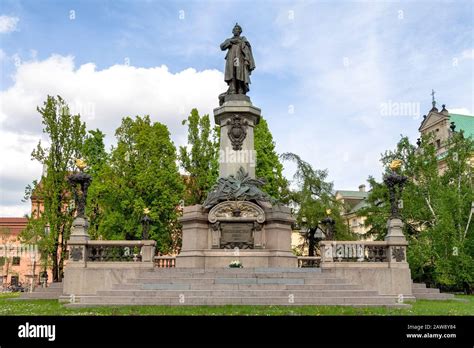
[239,61]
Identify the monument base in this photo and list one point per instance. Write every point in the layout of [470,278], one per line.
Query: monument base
[200,248]
[249,259]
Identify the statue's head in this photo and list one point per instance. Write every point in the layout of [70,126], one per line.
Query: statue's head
[237,30]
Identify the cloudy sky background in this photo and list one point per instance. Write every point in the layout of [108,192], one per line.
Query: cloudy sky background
[330,74]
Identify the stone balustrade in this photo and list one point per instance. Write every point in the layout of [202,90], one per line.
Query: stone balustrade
[86,251]
[362,251]
[164,261]
[379,265]
[309,261]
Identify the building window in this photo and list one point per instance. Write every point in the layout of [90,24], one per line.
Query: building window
[355,223]
[16,261]
[2,261]
[438,144]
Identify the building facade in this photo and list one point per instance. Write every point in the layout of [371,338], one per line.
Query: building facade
[441,125]
[352,202]
[19,263]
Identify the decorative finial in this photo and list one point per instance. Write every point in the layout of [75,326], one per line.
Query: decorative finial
[81,164]
[395,164]
[418,142]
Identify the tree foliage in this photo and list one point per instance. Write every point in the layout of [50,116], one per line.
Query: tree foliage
[200,158]
[141,173]
[436,210]
[96,158]
[65,134]
[269,167]
[313,196]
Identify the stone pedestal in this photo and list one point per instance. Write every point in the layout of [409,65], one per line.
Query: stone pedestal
[272,247]
[395,231]
[78,239]
[79,230]
[396,242]
[237,119]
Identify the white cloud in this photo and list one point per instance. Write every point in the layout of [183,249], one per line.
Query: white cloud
[468,54]
[102,97]
[461,111]
[8,24]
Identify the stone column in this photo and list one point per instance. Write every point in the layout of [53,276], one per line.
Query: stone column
[195,227]
[396,241]
[237,118]
[78,240]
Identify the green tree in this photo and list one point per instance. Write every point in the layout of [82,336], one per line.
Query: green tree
[141,173]
[268,165]
[65,136]
[436,210]
[200,161]
[96,158]
[313,197]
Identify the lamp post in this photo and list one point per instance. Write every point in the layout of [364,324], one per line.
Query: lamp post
[395,183]
[146,220]
[330,223]
[83,180]
[313,234]
[33,266]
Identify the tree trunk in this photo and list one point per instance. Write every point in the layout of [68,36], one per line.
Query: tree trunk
[311,242]
[54,256]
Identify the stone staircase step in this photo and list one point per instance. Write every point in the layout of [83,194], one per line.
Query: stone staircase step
[126,300]
[421,292]
[39,296]
[239,280]
[238,293]
[53,291]
[232,275]
[426,291]
[439,296]
[163,286]
[419,286]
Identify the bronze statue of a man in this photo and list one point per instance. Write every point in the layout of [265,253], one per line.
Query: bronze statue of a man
[239,62]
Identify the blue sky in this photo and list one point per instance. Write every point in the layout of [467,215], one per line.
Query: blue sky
[325,71]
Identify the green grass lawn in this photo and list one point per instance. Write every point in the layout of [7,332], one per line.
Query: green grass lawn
[53,307]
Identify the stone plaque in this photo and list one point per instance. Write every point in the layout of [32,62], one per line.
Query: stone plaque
[237,235]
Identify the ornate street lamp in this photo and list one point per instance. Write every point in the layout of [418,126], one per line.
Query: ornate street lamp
[84,180]
[79,224]
[313,235]
[330,223]
[395,183]
[146,220]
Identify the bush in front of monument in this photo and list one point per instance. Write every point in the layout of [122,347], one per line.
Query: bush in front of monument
[235,264]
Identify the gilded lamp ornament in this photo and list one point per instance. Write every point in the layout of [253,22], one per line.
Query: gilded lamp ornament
[80,163]
[395,183]
[146,220]
[82,180]
[395,165]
